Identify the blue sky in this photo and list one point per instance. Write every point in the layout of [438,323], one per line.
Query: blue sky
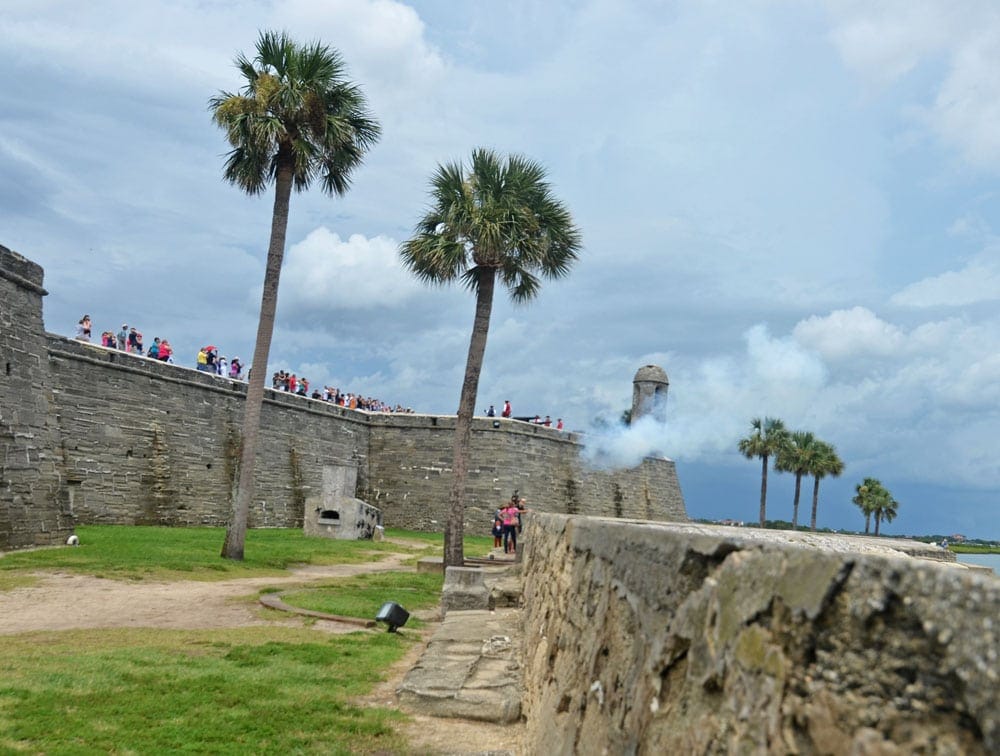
[789,206]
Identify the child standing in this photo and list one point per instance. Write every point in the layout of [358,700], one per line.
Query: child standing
[497,530]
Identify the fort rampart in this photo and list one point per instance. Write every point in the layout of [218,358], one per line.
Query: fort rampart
[93,435]
[681,638]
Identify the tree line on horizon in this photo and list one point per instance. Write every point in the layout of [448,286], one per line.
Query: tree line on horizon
[802,453]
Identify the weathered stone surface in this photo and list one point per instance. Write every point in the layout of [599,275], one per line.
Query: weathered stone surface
[35,507]
[464,588]
[663,638]
[470,669]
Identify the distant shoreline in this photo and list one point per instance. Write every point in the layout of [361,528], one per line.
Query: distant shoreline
[959,548]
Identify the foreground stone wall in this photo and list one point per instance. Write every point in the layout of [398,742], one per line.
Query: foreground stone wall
[671,638]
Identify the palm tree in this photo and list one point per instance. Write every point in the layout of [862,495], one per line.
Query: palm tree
[767,438]
[886,508]
[797,457]
[498,219]
[295,119]
[866,496]
[826,462]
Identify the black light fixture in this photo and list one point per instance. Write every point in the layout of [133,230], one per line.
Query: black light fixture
[496,423]
[393,615]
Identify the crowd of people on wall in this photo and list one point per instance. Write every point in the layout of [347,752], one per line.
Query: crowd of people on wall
[128,339]
[287,381]
[208,360]
[536,420]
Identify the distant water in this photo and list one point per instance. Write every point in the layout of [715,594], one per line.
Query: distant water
[989,560]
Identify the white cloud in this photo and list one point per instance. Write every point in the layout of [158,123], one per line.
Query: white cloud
[979,281]
[324,272]
[887,40]
[845,334]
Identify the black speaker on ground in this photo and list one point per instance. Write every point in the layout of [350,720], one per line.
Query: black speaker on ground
[393,615]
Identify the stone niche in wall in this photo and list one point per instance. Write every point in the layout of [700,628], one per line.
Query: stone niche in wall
[336,513]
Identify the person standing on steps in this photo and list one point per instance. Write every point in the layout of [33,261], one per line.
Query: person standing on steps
[509,514]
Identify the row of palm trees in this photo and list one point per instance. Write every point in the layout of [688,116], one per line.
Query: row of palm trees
[801,453]
[798,452]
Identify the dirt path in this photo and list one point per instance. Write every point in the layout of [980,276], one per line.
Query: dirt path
[65,602]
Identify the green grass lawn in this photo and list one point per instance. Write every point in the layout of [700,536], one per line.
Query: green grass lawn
[137,552]
[246,690]
[252,690]
[363,595]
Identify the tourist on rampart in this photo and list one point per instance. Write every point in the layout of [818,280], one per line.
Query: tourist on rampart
[108,340]
[211,358]
[220,366]
[201,361]
[123,337]
[559,424]
[235,368]
[83,328]
[506,408]
[154,349]
[134,341]
[165,351]
[491,412]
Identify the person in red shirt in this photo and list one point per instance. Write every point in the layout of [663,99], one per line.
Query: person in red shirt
[506,408]
[559,425]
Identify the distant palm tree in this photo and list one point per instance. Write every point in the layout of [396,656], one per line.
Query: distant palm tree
[886,508]
[496,220]
[297,118]
[867,496]
[797,456]
[767,438]
[826,462]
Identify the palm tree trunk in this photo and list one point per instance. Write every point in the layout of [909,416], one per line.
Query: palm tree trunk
[795,505]
[454,555]
[763,491]
[812,521]
[233,546]
[878,521]
[868,522]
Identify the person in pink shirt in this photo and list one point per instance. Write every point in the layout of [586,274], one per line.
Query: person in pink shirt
[509,514]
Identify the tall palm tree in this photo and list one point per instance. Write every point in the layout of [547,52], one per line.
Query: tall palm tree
[797,456]
[766,439]
[296,118]
[498,219]
[826,462]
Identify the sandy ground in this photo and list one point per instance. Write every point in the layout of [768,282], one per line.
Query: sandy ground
[66,602]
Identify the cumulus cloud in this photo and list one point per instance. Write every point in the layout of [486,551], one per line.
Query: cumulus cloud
[979,281]
[324,272]
[843,334]
[886,41]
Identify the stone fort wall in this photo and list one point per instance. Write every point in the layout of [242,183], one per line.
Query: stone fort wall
[680,638]
[92,435]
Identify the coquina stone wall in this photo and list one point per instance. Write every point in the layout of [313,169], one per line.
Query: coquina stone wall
[658,638]
[34,509]
[94,435]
